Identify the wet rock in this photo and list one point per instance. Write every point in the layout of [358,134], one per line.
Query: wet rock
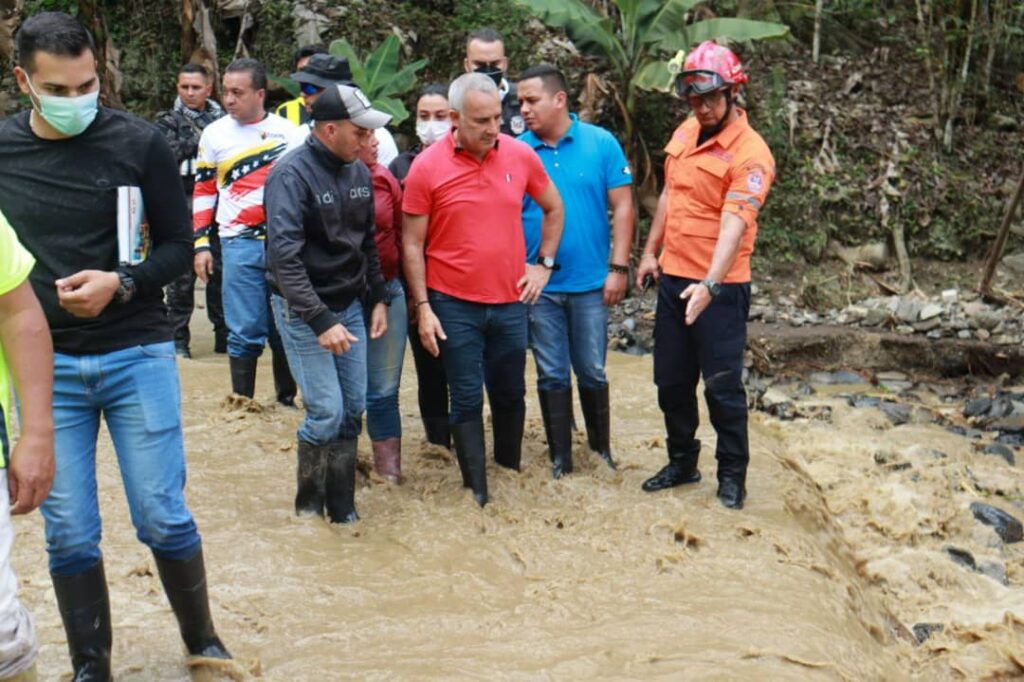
[962,557]
[876,317]
[964,334]
[898,413]
[856,313]
[930,311]
[985,318]
[996,571]
[908,310]
[950,296]
[928,325]
[896,386]
[860,400]
[936,334]
[998,450]
[923,631]
[982,334]
[1011,424]
[629,324]
[839,378]
[977,407]
[804,389]
[1014,439]
[1006,526]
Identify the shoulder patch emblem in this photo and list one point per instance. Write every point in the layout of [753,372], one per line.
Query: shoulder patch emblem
[517,125]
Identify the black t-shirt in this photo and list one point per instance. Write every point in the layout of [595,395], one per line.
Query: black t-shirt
[61,198]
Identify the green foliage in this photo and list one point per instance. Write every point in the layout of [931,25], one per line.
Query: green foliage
[380,77]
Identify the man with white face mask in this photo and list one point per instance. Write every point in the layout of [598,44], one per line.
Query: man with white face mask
[72,175]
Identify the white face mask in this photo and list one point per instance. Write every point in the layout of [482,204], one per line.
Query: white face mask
[430,132]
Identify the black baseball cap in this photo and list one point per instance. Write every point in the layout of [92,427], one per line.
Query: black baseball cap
[340,102]
[323,71]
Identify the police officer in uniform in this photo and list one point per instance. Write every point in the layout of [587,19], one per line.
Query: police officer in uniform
[182,125]
[485,53]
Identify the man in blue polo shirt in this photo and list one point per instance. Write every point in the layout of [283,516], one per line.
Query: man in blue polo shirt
[569,323]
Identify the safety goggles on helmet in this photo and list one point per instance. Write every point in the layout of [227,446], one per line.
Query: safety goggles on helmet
[699,82]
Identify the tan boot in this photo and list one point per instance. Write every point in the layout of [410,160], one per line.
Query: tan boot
[387,458]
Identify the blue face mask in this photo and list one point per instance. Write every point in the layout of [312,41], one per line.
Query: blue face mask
[68,115]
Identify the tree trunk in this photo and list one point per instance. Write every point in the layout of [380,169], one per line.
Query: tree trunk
[957,90]
[996,19]
[816,50]
[90,13]
[10,15]
[996,251]
[925,24]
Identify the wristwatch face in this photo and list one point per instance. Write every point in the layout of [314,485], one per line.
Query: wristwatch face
[546,261]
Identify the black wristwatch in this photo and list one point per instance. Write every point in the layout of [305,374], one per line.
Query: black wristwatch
[547,261]
[126,291]
[713,287]
[618,269]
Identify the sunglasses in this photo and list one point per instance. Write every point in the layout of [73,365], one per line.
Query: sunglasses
[309,88]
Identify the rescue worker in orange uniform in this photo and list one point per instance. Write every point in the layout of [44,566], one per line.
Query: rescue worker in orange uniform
[717,174]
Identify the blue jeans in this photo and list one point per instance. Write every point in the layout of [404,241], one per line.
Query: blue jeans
[569,329]
[137,391]
[246,297]
[485,343]
[384,358]
[333,386]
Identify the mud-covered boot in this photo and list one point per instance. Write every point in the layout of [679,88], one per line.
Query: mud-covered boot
[311,474]
[341,481]
[185,584]
[732,488]
[284,383]
[387,458]
[469,448]
[243,376]
[437,431]
[507,429]
[84,607]
[597,415]
[556,410]
[680,470]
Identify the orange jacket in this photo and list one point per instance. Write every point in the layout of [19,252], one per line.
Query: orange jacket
[730,172]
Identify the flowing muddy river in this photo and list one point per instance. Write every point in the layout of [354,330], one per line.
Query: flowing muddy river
[822,577]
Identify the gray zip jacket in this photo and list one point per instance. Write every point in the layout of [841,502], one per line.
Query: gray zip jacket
[321,253]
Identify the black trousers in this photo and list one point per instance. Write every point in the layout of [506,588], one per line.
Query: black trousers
[713,347]
[180,296]
[430,377]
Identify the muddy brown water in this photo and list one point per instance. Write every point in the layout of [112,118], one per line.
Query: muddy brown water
[821,577]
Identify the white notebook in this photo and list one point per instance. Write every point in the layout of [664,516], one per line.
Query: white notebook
[133,242]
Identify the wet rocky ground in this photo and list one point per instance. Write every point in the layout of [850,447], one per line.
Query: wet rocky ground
[951,314]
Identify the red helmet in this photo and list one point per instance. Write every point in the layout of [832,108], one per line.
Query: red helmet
[708,68]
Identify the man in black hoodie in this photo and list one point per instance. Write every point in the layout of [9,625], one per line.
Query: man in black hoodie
[323,263]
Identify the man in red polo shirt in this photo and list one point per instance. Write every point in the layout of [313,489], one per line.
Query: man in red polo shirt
[465,262]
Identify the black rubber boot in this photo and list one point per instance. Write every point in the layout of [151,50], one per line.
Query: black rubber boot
[597,415]
[311,475]
[85,609]
[284,383]
[680,470]
[556,410]
[340,485]
[243,376]
[438,432]
[507,429]
[732,489]
[469,448]
[185,584]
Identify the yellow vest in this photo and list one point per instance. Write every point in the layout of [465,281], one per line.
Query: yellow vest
[294,110]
